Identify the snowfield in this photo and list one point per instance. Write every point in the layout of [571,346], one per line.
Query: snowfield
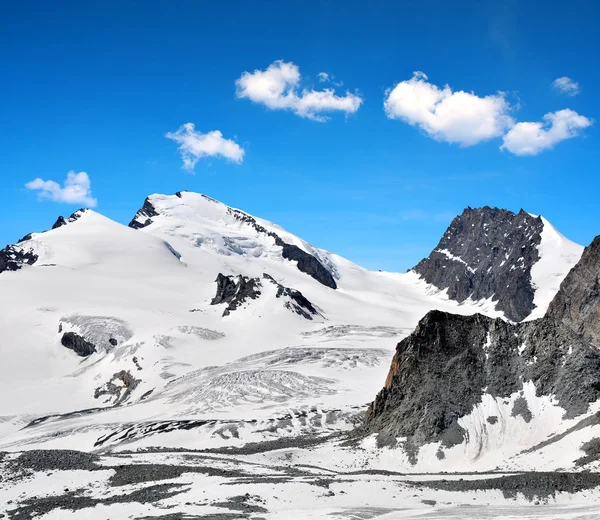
[250,411]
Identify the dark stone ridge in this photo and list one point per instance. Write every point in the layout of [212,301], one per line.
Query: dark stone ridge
[144,215]
[77,344]
[297,302]
[14,257]
[439,372]
[236,290]
[487,252]
[306,262]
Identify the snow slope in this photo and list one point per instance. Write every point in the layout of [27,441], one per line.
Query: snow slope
[558,255]
[201,379]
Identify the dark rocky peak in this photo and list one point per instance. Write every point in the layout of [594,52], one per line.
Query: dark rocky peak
[577,303]
[237,290]
[61,221]
[487,253]
[144,215]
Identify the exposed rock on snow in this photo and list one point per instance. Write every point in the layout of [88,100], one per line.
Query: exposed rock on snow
[489,253]
[296,301]
[14,257]
[144,215]
[77,344]
[237,290]
[101,331]
[119,387]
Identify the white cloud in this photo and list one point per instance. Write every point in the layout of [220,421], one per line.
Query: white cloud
[76,189]
[566,86]
[455,117]
[194,145]
[323,77]
[531,138]
[278,88]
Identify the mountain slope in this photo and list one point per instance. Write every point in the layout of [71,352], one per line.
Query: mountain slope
[481,387]
[192,323]
[516,260]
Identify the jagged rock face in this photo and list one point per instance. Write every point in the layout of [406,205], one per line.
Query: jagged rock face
[576,305]
[14,257]
[440,372]
[235,291]
[144,215]
[77,344]
[487,252]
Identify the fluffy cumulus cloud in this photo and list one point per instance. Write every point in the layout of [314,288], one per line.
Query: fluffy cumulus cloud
[445,115]
[194,145]
[278,88]
[566,86]
[532,138]
[75,190]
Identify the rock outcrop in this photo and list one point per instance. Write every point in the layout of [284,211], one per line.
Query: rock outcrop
[237,290]
[441,371]
[144,215]
[487,253]
[77,344]
[14,257]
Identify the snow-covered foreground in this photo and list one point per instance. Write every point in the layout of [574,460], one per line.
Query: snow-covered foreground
[50,485]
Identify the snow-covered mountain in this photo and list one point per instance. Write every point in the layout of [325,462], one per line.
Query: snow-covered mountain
[200,327]
[200,312]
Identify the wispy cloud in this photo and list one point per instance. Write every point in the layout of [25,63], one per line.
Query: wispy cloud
[532,138]
[76,189]
[566,86]
[278,88]
[194,145]
[446,115]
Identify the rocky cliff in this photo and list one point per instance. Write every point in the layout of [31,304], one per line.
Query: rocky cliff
[487,253]
[442,370]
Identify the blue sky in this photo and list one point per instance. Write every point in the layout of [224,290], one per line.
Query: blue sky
[95,88]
